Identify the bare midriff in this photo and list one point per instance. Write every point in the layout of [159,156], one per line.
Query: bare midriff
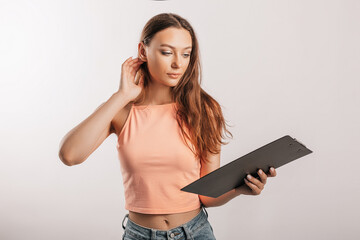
[162,221]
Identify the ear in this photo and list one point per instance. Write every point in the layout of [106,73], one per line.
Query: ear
[142,52]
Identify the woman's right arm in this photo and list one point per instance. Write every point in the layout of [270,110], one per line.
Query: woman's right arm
[78,144]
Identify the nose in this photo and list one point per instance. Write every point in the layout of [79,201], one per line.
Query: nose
[176,63]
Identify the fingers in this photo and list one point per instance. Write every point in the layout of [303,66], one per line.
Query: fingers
[132,65]
[272,172]
[262,176]
[130,61]
[253,187]
[259,184]
[136,64]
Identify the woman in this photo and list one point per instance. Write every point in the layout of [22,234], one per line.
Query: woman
[169,135]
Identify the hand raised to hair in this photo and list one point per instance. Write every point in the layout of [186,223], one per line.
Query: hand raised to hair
[128,86]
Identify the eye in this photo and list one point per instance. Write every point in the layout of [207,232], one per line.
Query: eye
[167,53]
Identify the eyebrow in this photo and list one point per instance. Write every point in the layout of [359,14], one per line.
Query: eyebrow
[167,45]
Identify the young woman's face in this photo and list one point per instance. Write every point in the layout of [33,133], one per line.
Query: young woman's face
[168,52]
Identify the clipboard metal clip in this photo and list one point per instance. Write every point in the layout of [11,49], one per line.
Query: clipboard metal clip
[300,143]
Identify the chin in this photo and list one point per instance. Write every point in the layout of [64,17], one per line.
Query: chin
[171,82]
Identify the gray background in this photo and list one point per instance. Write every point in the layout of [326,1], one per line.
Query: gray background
[276,68]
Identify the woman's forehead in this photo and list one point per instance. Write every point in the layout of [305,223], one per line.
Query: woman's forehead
[173,38]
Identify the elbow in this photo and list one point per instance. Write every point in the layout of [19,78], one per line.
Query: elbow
[66,160]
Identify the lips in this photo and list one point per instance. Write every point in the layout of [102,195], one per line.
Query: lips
[173,75]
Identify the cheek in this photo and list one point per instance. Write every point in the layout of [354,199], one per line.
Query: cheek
[158,65]
[186,65]
[157,68]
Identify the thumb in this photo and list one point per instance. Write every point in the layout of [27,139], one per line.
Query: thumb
[141,81]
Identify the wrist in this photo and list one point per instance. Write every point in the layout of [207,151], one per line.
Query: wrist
[123,95]
[238,191]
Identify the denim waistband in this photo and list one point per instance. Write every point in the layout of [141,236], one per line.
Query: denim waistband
[189,227]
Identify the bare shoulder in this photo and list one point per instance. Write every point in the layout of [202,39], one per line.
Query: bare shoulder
[120,118]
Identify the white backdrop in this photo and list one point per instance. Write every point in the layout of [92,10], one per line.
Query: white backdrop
[276,68]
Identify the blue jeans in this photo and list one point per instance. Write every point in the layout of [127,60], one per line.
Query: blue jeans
[197,228]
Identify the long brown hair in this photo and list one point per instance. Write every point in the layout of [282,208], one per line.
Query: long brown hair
[197,111]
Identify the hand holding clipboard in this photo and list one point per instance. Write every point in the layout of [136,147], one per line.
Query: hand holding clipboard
[232,175]
[254,185]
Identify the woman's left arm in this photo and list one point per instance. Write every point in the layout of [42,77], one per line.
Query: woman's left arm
[253,185]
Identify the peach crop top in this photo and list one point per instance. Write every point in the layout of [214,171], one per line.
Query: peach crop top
[155,162]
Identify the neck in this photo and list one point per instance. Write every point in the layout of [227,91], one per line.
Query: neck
[158,94]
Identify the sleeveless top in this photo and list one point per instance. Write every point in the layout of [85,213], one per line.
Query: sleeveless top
[156,162]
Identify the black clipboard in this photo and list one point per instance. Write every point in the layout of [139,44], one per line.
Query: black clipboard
[274,154]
